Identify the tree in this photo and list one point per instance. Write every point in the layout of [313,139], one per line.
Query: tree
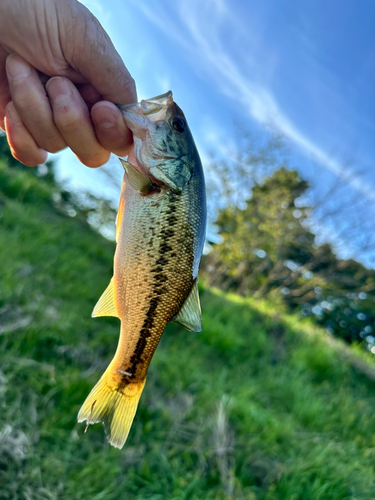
[263,235]
[267,249]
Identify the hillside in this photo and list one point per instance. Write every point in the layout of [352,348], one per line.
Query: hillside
[259,406]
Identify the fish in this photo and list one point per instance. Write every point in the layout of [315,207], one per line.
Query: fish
[160,233]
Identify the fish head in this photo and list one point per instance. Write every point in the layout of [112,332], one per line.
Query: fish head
[164,147]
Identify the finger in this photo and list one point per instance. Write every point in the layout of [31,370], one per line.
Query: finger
[21,142]
[72,118]
[31,101]
[89,94]
[110,128]
[4,87]
[93,55]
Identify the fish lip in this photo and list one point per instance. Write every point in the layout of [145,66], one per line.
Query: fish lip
[149,106]
[140,115]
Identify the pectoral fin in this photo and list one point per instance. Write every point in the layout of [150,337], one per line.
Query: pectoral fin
[137,179]
[190,313]
[106,305]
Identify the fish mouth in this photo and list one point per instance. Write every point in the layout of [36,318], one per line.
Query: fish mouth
[148,107]
[139,117]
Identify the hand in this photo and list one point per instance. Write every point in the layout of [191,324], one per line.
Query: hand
[63,40]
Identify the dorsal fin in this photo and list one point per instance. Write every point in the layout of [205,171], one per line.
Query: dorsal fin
[190,315]
[106,305]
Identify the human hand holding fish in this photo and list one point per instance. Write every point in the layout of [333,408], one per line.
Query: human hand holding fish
[59,77]
[160,235]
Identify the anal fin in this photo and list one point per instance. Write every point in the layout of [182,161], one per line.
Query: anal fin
[106,305]
[190,315]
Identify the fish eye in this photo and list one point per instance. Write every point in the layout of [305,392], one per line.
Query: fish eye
[178,124]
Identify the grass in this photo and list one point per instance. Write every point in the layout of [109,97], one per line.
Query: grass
[259,406]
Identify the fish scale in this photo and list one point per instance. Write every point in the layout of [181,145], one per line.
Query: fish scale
[160,235]
[167,261]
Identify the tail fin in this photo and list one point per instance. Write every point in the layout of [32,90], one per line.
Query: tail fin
[114,404]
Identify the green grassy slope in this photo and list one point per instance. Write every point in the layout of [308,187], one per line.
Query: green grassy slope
[258,406]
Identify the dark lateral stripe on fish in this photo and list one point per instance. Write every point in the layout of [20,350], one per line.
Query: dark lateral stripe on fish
[159,278]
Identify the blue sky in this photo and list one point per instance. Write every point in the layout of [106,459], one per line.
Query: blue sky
[305,67]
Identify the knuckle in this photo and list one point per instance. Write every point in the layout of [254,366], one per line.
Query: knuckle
[26,98]
[67,119]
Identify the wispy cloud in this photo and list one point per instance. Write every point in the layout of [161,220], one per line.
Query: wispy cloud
[201,29]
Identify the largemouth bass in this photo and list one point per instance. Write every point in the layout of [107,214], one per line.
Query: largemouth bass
[160,233]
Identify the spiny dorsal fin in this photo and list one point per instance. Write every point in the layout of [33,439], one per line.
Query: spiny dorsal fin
[137,179]
[190,313]
[106,305]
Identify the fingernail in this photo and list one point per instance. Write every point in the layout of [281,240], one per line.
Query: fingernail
[17,68]
[12,114]
[104,117]
[58,89]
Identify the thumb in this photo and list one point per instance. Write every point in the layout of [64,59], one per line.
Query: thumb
[90,52]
